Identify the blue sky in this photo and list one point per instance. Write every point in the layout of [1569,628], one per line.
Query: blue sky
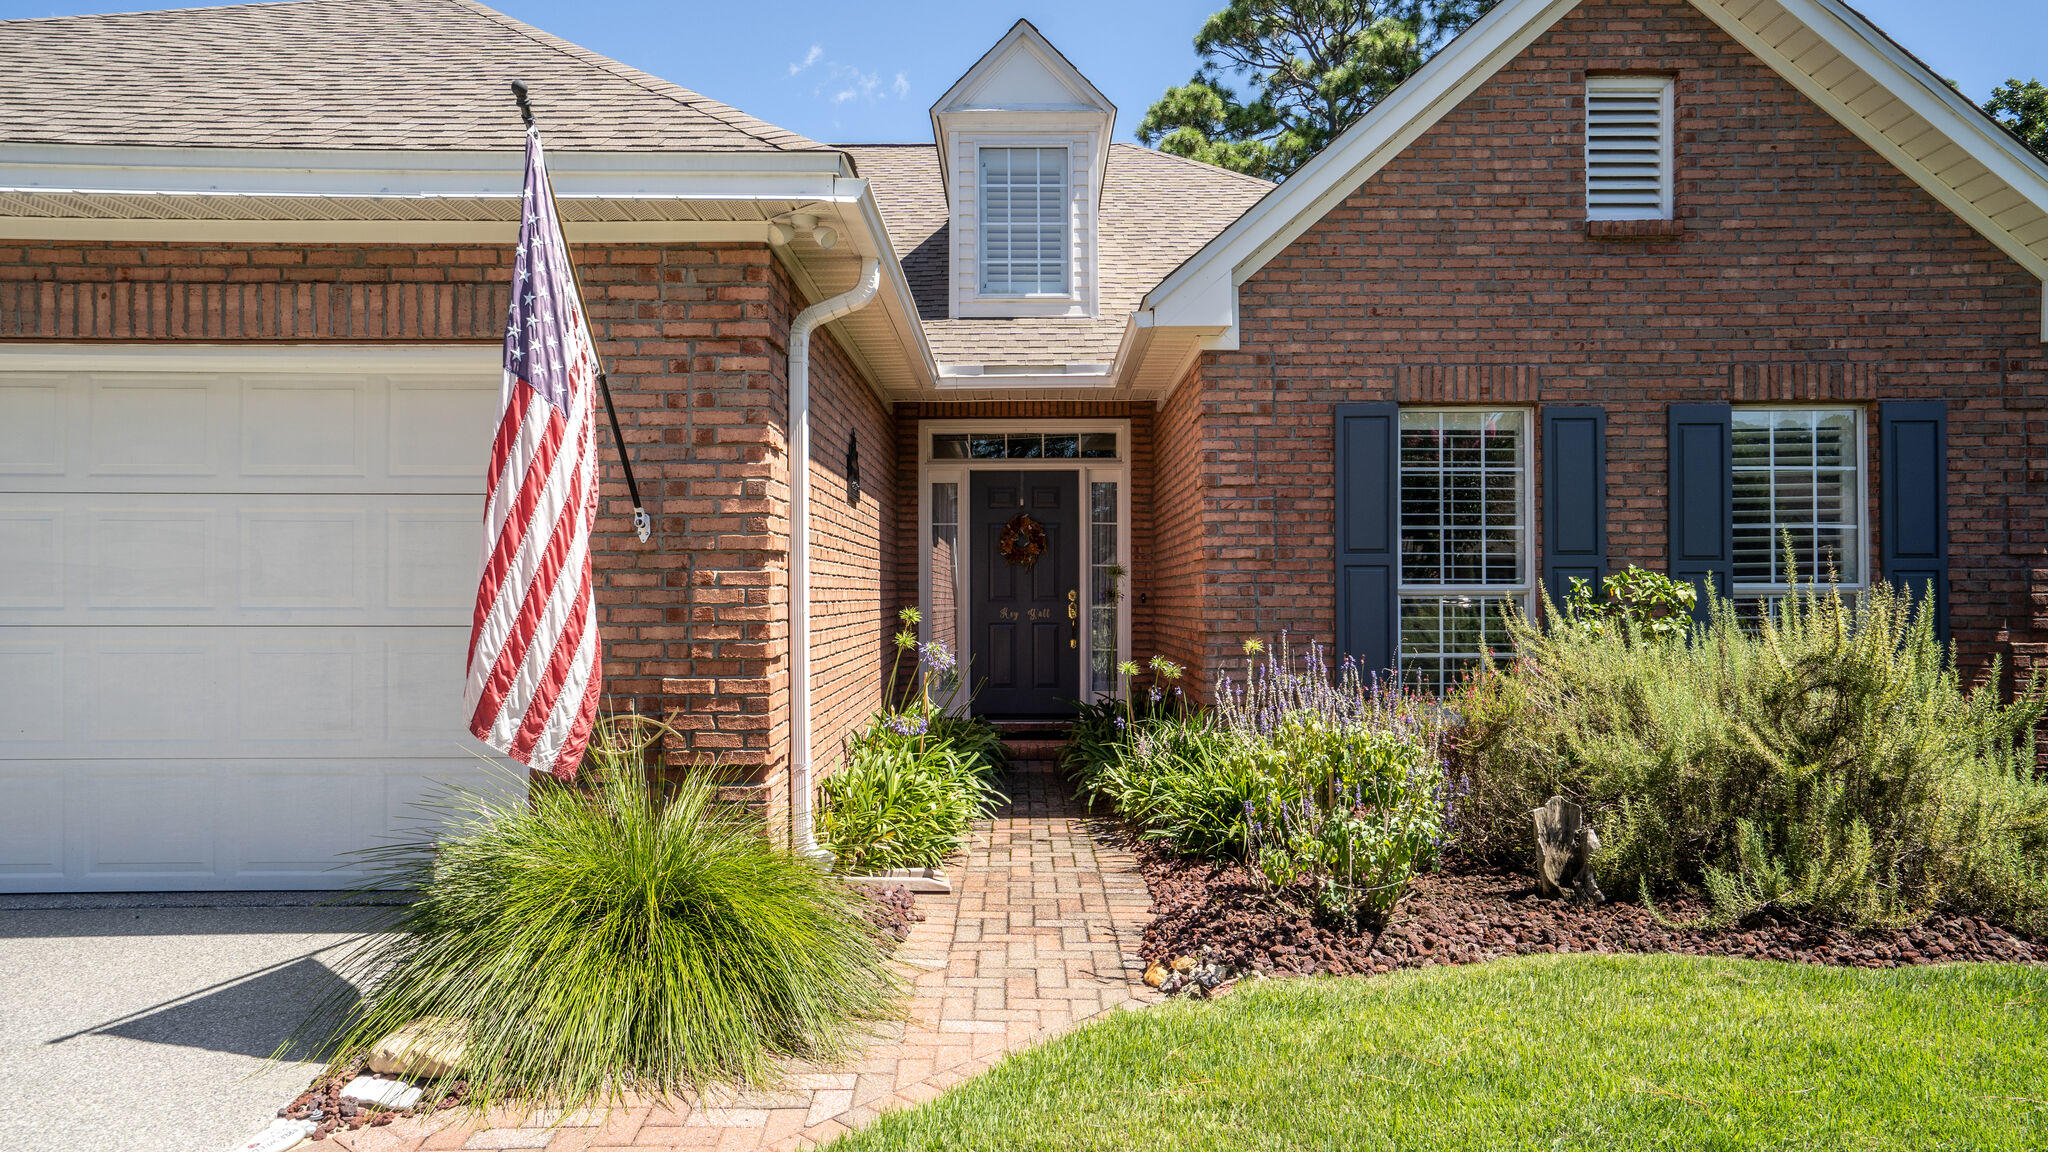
[855,73]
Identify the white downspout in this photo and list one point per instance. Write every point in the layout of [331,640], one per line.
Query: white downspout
[803,832]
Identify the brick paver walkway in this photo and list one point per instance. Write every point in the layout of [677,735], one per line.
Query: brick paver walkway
[1040,934]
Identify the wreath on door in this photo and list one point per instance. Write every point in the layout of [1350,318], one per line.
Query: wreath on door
[1022,541]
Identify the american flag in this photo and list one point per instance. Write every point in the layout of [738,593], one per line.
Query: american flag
[533,647]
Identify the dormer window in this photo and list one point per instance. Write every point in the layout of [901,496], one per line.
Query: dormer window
[1024,144]
[1023,221]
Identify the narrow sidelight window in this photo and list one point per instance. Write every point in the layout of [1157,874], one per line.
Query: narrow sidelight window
[1628,148]
[1798,474]
[1105,586]
[944,563]
[1024,221]
[1464,509]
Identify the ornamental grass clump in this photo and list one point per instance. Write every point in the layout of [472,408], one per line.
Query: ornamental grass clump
[614,937]
[1824,760]
[916,778]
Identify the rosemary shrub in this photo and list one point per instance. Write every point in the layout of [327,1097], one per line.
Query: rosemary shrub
[1824,760]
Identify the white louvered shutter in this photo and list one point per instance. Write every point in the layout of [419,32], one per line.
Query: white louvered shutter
[1023,221]
[1628,148]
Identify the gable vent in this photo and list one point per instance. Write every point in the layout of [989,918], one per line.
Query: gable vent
[1628,148]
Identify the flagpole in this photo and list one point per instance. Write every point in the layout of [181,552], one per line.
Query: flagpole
[643,524]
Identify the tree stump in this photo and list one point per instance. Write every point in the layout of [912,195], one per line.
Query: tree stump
[1565,844]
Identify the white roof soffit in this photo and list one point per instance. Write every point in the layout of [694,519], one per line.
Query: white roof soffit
[1822,47]
[887,341]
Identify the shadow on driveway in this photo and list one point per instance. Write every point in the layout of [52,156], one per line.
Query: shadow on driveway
[152,1027]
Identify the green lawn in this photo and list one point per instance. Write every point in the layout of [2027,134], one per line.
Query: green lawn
[1538,1053]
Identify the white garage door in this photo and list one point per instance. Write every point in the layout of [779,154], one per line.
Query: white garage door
[234,594]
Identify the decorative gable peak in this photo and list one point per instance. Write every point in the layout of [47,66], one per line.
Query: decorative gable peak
[1024,141]
[1023,72]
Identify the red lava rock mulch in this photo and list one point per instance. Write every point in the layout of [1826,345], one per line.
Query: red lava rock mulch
[892,909]
[324,1106]
[1220,914]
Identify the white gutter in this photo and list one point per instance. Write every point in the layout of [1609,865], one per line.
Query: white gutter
[803,833]
[375,173]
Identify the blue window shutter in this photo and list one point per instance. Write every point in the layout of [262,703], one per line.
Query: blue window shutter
[1913,501]
[1574,498]
[1702,498]
[1368,532]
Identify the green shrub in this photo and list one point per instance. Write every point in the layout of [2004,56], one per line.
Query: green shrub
[620,938]
[1172,774]
[910,788]
[917,776]
[1331,786]
[1656,606]
[1825,759]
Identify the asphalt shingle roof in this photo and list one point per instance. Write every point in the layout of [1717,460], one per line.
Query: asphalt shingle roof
[407,74]
[1156,211]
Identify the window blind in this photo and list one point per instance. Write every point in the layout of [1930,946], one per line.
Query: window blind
[1023,221]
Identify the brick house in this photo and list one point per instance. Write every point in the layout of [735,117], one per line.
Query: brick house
[1606,282]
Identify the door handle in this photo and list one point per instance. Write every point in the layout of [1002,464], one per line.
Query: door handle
[1074,616]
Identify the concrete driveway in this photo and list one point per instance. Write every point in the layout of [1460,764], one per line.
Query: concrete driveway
[146,1023]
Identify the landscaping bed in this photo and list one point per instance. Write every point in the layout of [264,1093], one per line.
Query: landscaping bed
[1223,914]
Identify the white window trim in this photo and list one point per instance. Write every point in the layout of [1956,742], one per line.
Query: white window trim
[930,471]
[1523,593]
[1862,501]
[1666,91]
[1082,234]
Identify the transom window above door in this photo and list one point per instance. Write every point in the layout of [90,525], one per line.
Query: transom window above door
[1464,508]
[1024,446]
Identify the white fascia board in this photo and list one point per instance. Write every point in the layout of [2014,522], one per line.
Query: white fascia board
[1195,293]
[363,172]
[1911,83]
[147,229]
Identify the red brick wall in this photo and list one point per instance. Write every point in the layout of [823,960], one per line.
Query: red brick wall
[1809,269]
[1180,560]
[692,336]
[855,559]
[1138,581]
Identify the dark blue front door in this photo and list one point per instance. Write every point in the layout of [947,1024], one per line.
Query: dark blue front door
[1025,648]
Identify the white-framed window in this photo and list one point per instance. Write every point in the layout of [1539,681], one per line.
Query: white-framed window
[1798,475]
[1628,147]
[1465,536]
[1023,221]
